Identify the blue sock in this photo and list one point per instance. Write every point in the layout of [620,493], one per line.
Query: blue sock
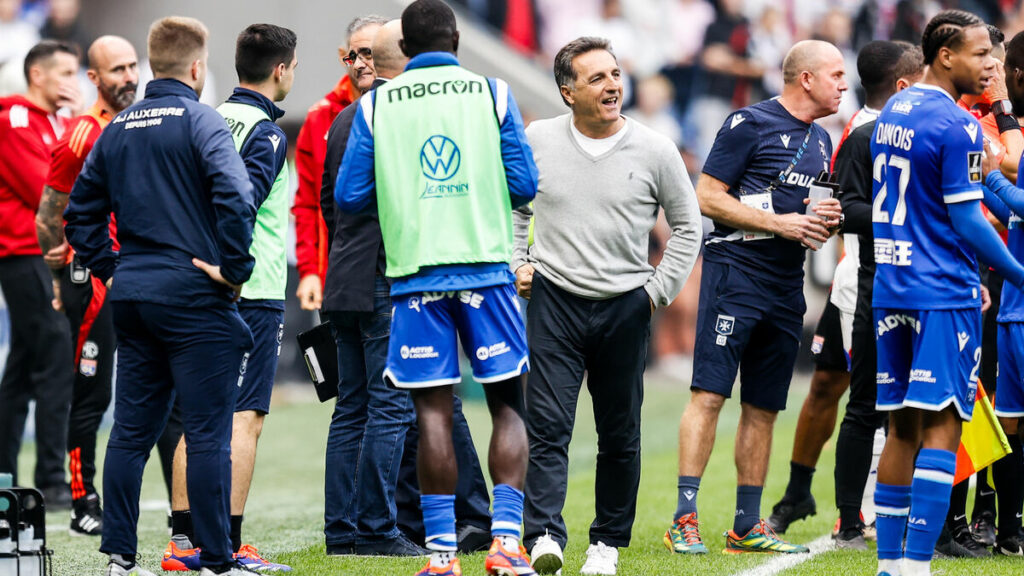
[892,504]
[439,521]
[687,499]
[929,501]
[508,511]
[748,509]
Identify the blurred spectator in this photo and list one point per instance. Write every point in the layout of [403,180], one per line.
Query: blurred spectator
[559,21]
[18,36]
[770,39]
[610,24]
[654,97]
[62,23]
[732,74]
[685,22]
[909,21]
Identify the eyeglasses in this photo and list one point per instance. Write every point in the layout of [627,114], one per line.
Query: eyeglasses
[365,53]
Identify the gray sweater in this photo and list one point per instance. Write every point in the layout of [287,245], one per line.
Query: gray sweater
[594,214]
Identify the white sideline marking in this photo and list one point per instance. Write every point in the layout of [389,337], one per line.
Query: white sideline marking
[786,561]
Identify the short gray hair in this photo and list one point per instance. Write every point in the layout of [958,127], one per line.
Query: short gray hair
[565,75]
[361,22]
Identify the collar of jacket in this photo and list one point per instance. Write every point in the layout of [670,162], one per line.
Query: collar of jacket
[253,98]
[170,87]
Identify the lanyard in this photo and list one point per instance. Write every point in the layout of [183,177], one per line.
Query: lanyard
[792,163]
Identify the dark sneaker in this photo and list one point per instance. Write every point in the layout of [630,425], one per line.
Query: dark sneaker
[57,497]
[400,546]
[341,549]
[1012,546]
[787,511]
[473,539]
[850,539]
[984,529]
[960,544]
[87,516]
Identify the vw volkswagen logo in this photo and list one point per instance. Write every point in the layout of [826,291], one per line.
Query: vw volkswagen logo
[440,158]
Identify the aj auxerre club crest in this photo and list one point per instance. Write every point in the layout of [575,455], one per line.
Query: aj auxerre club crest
[440,158]
[723,327]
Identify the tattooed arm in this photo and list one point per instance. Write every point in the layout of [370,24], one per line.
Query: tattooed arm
[50,228]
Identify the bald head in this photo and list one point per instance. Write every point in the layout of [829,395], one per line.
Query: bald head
[808,56]
[388,58]
[113,69]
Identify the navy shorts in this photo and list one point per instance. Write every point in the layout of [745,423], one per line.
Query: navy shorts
[426,326]
[748,324]
[1010,376]
[928,359]
[257,381]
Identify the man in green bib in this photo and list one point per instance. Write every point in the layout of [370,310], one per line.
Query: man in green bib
[444,153]
[265,62]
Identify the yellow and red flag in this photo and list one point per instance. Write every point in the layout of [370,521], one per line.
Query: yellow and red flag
[982,441]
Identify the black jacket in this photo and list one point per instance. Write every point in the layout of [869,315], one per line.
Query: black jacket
[355,247]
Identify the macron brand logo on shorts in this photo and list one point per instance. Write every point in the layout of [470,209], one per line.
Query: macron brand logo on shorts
[723,327]
[483,352]
[418,352]
[414,304]
[962,338]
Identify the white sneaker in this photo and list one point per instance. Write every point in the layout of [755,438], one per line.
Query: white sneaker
[546,555]
[115,569]
[601,559]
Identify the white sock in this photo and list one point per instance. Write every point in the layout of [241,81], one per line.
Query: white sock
[509,543]
[441,558]
[890,566]
[917,567]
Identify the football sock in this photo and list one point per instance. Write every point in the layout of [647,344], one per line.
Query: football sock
[852,470]
[984,494]
[508,511]
[799,487]
[687,499]
[929,500]
[892,504]
[748,509]
[439,522]
[181,523]
[236,533]
[957,515]
[1006,474]
[440,559]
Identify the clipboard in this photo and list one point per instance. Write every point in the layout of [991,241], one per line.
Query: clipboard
[320,352]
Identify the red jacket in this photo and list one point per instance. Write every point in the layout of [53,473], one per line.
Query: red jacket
[27,134]
[310,150]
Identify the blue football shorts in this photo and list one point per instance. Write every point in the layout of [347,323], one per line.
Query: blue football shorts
[1009,383]
[928,359]
[426,326]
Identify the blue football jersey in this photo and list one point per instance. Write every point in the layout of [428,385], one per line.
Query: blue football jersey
[1011,305]
[752,149]
[926,154]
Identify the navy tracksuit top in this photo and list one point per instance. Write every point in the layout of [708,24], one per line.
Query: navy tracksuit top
[168,170]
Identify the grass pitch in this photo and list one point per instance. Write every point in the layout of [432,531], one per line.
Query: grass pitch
[284,516]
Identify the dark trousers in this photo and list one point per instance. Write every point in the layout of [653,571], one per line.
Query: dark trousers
[367,432]
[472,502]
[38,367]
[607,339]
[857,431]
[92,332]
[195,354]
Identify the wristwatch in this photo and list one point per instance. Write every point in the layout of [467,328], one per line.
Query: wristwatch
[1002,107]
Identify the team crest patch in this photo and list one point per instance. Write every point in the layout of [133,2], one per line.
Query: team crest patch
[974,167]
[87,367]
[817,344]
[723,327]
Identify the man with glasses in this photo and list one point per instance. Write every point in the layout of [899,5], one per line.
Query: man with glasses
[311,148]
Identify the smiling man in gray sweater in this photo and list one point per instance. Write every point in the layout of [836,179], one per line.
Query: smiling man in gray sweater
[603,178]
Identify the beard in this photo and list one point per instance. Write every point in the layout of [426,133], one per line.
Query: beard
[119,98]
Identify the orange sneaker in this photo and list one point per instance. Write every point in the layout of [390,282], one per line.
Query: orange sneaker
[501,562]
[180,556]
